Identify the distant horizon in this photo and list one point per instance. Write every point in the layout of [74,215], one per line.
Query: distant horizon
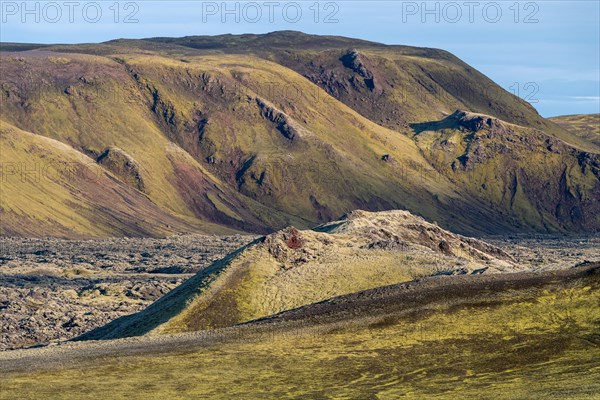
[209,35]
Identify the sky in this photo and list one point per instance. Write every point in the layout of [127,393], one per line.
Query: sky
[547,52]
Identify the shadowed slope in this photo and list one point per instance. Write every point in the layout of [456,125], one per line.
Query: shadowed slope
[520,170]
[167,307]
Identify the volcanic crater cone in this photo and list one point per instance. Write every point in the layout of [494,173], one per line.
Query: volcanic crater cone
[291,268]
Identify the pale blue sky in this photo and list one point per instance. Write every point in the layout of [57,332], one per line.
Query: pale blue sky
[553,44]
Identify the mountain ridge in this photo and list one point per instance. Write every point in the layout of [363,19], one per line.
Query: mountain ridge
[211,136]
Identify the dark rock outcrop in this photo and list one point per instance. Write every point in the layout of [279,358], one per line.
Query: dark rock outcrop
[123,165]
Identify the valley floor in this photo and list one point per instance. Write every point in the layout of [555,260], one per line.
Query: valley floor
[54,290]
[57,289]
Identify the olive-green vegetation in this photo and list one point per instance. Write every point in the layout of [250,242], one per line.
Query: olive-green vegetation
[294,268]
[47,186]
[485,155]
[586,126]
[534,341]
[259,132]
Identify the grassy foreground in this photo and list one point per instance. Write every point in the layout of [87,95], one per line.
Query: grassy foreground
[541,342]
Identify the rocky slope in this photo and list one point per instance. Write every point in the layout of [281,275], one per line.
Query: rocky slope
[209,134]
[292,268]
[485,156]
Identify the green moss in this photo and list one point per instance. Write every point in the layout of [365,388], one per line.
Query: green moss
[529,343]
[219,205]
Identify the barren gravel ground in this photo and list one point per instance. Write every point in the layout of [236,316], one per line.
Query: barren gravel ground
[411,300]
[549,252]
[53,290]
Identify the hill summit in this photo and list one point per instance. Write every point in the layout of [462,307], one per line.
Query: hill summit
[292,268]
